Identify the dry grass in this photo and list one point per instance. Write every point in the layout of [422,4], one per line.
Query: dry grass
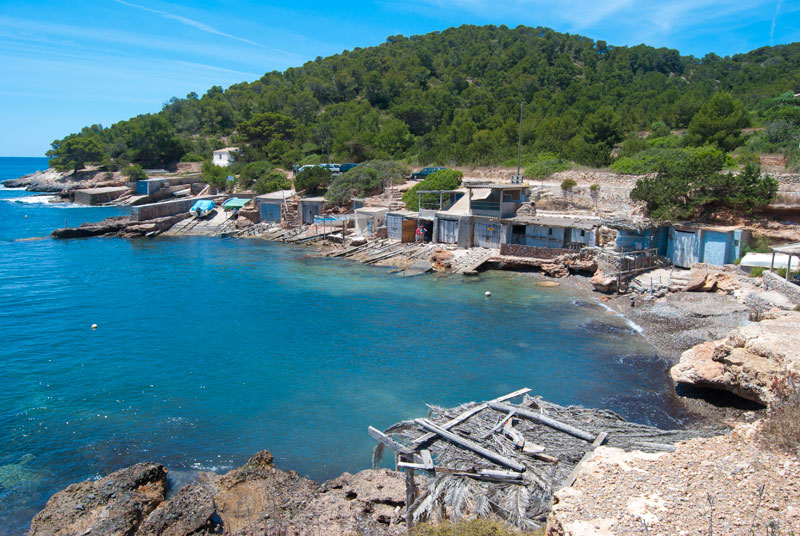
[474,527]
[782,426]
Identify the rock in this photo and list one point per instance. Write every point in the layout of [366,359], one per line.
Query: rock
[603,283]
[749,362]
[121,501]
[619,492]
[107,226]
[697,278]
[191,511]
[710,284]
[242,223]
[553,269]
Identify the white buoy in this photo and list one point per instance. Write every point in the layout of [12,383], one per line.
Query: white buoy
[487,294]
[94,326]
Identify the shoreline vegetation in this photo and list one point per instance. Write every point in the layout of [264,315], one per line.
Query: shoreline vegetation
[614,140]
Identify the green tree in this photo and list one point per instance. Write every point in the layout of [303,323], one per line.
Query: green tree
[74,152]
[312,179]
[215,175]
[446,179]
[273,181]
[719,121]
[135,172]
[366,179]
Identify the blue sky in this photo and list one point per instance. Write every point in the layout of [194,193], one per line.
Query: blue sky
[70,64]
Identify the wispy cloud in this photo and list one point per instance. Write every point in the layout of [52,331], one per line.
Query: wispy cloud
[774,22]
[202,26]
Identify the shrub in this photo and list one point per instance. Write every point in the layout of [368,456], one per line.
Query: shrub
[192,157]
[254,171]
[568,184]
[215,175]
[633,146]
[546,165]
[781,428]
[658,130]
[271,182]
[368,178]
[757,271]
[472,527]
[312,179]
[135,173]
[446,179]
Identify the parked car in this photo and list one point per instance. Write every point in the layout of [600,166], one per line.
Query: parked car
[346,167]
[423,173]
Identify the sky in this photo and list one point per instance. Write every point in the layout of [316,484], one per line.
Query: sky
[67,64]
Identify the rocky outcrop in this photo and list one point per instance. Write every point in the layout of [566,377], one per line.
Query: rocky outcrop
[112,506]
[120,226]
[50,180]
[603,282]
[719,485]
[748,362]
[254,499]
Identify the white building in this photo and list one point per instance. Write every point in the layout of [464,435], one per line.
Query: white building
[223,157]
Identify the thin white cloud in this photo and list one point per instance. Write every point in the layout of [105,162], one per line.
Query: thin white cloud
[201,26]
[774,22]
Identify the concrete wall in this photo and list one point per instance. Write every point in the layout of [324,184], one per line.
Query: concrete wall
[517,250]
[98,196]
[683,248]
[638,240]
[167,208]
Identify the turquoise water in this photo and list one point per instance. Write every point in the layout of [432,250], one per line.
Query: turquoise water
[209,350]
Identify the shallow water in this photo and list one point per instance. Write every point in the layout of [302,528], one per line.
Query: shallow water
[209,350]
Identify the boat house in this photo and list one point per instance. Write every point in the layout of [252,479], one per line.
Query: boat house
[269,205]
[688,245]
[309,207]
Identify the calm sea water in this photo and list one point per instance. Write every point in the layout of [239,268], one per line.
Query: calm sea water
[209,350]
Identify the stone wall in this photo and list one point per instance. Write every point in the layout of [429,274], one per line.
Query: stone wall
[159,210]
[518,250]
[774,282]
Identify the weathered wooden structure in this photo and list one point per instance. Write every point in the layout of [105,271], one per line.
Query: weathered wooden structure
[506,460]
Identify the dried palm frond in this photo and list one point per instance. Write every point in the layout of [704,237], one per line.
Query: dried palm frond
[377,455]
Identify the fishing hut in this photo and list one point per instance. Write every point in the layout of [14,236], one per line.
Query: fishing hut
[504,459]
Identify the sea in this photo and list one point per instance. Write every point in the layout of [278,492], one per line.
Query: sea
[208,350]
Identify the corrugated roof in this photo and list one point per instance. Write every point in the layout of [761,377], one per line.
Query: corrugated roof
[788,249]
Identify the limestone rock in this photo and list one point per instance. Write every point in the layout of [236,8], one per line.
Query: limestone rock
[603,282]
[114,505]
[697,279]
[189,512]
[620,493]
[748,362]
[554,269]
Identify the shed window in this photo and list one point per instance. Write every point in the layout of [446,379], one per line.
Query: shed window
[518,229]
[583,233]
[550,231]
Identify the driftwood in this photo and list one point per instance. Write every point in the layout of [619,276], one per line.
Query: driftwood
[468,481]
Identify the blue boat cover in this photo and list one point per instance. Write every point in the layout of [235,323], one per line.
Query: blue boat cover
[203,204]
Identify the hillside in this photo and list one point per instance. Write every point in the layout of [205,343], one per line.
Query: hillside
[450,97]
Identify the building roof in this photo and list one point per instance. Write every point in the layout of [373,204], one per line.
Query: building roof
[227,150]
[316,199]
[496,186]
[235,202]
[404,213]
[280,195]
[577,222]
[788,249]
[372,210]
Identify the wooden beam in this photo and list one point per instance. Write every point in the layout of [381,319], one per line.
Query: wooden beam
[389,442]
[599,440]
[469,445]
[427,459]
[538,417]
[467,414]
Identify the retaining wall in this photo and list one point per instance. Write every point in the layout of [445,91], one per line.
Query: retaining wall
[167,208]
[773,281]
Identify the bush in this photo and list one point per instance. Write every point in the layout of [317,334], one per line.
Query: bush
[658,130]
[757,271]
[633,146]
[312,179]
[365,180]
[192,157]
[254,171]
[446,179]
[687,187]
[546,165]
[472,527]
[781,428]
[271,182]
[568,184]
[135,173]
[215,175]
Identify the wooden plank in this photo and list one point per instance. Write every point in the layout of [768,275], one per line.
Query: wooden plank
[599,440]
[467,414]
[469,445]
[389,442]
[427,459]
[542,419]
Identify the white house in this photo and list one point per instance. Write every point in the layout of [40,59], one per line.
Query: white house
[223,157]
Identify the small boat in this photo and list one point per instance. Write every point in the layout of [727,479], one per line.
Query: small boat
[201,208]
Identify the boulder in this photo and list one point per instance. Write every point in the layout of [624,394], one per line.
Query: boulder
[603,282]
[749,363]
[191,511]
[554,269]
[114,505]
[104,227]
[696,279]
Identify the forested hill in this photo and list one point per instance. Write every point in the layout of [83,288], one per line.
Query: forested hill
[446,97]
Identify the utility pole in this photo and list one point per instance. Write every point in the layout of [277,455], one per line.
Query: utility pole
[519,146]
